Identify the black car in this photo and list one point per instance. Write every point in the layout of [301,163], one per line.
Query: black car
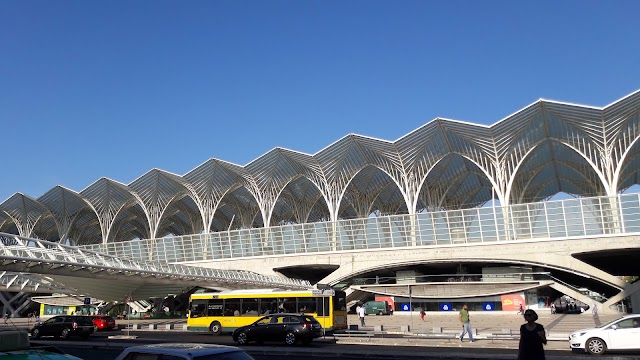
[279,327]
[64,326]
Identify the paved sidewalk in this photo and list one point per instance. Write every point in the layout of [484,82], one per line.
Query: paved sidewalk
[558,326]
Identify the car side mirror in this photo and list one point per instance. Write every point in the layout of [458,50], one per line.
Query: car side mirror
[614,327]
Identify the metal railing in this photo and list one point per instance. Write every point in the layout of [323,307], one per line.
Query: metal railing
[15,248]
[595,216]
[454,278]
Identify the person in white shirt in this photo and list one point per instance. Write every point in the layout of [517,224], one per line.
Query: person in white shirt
[361,312]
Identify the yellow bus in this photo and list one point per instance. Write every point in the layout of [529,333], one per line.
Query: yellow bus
[226,311]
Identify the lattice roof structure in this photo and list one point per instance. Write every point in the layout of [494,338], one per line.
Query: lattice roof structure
[545,148]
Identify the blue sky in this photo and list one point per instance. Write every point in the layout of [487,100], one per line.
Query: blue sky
[115,88]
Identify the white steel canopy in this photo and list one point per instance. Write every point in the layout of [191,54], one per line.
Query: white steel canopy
[545,148]
[113,277]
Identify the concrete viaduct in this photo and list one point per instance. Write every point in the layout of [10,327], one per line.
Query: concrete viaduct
[552,254]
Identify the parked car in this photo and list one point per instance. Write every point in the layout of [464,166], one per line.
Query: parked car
[289,328]
[103,322]
[620,334]
[187,351]
[64,326]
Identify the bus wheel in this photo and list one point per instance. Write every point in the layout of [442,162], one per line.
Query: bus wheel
[215,328]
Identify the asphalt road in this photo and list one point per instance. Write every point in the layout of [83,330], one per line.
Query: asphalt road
[99,347]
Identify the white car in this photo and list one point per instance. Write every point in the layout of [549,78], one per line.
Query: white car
[184,351]
[620,334]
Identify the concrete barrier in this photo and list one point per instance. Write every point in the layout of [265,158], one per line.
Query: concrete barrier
[405,328]
[378,328]
[437,330]
[152,326]
[167,326]
[353,327]
[135,327]
[184,327]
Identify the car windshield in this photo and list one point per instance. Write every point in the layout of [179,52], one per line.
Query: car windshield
[263,321]
[311,319]
[609,323]
[235,355]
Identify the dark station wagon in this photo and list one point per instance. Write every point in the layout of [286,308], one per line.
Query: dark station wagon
[63,326]
[289,328]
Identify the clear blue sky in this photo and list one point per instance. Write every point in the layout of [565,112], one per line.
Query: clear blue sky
[115,88]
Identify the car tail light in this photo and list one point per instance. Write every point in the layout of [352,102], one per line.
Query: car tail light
[74,325]
[307,326]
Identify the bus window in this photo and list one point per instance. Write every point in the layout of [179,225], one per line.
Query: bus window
[339,302]
[198,308]
[215,307]
[249,307]
[287,305]
[232,307]
[323,306]
[268,306]
[306,305]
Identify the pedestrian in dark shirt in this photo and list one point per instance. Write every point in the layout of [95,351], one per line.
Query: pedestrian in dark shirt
[532,337]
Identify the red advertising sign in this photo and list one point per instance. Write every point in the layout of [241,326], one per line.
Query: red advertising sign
[388,299]
[512,302]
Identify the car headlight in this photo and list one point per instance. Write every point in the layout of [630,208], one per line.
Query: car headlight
[575,335]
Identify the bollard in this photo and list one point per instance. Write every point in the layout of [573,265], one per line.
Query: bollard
[405,328]
[135,327]
[437,330]
[167,326]
[378,328]
[152,326]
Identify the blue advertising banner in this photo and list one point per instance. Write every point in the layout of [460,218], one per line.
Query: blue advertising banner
[405,307]
[445,307]
[488,306]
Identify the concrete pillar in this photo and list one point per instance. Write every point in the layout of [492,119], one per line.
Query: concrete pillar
[408,277]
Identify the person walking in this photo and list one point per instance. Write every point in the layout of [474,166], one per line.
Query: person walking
[595,310]
[532,337]
[422,314]
[466,323]
[520,310]
[361,313]
[553,308]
